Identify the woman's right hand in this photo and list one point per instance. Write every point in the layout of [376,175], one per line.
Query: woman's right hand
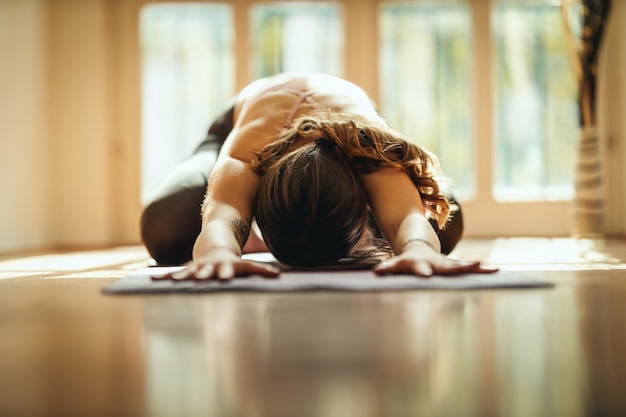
[222,264]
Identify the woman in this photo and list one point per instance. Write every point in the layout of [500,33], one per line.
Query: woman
[325,177]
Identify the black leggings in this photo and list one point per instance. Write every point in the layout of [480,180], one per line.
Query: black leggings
[452,233]
[172,220]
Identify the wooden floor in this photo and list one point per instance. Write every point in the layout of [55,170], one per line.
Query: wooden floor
[68,350]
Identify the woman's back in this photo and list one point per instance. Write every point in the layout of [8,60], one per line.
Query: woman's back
[267,106]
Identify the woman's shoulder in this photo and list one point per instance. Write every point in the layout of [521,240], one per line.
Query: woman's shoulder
[318,83]
[266,105]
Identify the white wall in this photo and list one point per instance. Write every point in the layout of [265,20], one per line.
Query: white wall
[24,168]
[612,117]
[79,127]
[65,150]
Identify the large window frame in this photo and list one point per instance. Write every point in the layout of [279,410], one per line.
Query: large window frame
[484,215]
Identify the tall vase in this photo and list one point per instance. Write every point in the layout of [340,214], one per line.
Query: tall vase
[589,205]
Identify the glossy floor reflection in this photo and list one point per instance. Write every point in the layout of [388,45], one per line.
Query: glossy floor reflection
[68,350]
[370,355]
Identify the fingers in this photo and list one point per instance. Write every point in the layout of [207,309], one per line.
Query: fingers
[482,269]
[404,266]
[268,271]
[225,271]
[456,267]
[222,271]
[467,268]
[425,268]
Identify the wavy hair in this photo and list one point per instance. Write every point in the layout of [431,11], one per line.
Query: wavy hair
[311,207]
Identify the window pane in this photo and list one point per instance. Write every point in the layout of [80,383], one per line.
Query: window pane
[425,81]
[187,53]
[297,37]
[536,112]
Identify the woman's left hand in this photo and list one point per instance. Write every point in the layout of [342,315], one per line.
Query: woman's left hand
[424,261]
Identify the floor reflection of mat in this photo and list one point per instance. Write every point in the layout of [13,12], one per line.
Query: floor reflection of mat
[141,281]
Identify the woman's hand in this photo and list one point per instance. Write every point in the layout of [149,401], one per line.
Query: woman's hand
[422,260]
[222,264]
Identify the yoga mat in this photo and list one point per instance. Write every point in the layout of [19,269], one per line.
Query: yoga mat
[141,281]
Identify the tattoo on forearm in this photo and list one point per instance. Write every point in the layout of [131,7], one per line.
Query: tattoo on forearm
[241,230]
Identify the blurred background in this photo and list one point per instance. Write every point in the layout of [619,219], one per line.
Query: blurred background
[100,98]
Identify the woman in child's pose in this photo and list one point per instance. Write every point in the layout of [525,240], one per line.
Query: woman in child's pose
[326,179]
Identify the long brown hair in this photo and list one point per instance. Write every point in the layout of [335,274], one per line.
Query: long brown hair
[312,209]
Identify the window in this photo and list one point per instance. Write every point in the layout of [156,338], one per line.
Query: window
[296,37]
[188,68]
[425,54]
[535,105]
[187,56]
[425,66]
[486,85]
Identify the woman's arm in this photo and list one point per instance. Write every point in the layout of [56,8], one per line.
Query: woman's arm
[398,209]
[227,217]
[227,210]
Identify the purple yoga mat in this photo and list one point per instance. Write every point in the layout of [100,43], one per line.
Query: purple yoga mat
[141,281]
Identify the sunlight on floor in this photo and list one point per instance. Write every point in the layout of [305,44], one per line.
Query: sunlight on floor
[105,263]
[546,254]
[517,254]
